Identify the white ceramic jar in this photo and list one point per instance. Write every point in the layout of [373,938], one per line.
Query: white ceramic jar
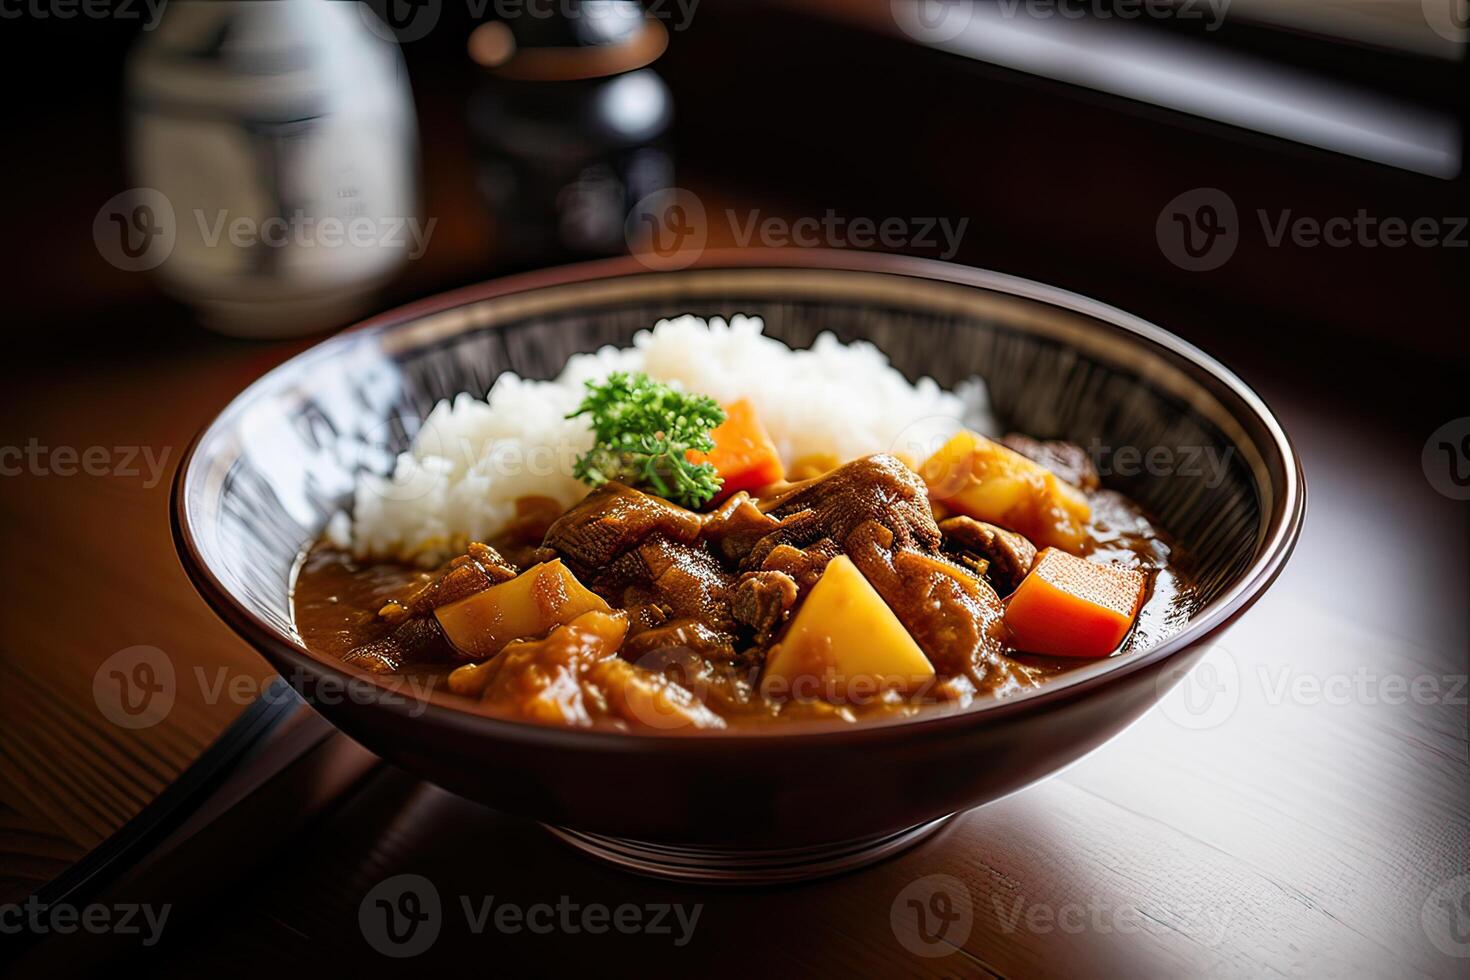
[282,135]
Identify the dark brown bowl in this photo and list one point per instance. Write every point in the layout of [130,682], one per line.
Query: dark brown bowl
[260,482]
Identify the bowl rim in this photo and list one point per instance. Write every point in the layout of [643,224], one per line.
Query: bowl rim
[1281,533]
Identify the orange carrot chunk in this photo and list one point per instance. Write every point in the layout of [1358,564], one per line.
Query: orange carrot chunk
[1071,607]
[744,455]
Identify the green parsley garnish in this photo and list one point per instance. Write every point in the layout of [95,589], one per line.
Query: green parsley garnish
[643,428]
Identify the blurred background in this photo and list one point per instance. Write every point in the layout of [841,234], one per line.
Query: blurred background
[1281,182]
[1060,131]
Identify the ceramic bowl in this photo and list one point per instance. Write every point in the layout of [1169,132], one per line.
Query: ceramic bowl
[260,482]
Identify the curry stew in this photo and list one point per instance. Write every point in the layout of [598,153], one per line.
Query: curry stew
[872,588]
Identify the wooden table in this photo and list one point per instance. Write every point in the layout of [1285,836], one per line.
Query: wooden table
[1296,816]
[1301,815]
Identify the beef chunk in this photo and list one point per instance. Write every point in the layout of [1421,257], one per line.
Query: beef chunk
[1067,460]
[954,617]
[736,527]
[520,539]
[682,580]
[480,567]
[1008,555]
[875,488]
[613,520]
[653,647]
[688,580]
[761,600]
[645,616]
[633,548]
[803,565]
[378,657]
[412,641]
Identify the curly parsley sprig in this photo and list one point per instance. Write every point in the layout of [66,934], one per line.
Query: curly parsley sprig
[643,429]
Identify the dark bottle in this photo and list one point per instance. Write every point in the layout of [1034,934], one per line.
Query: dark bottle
[570,127]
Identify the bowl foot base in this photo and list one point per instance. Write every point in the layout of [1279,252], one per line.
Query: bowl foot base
[738,866]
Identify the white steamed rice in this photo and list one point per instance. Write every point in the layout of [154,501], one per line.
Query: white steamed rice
[471,459]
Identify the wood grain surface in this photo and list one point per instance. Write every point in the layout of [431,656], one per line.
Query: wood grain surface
[102,577]
[1292,808]
[1290,811]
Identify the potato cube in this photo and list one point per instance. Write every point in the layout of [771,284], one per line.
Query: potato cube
[987,481]
[529,605]
[844,645]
